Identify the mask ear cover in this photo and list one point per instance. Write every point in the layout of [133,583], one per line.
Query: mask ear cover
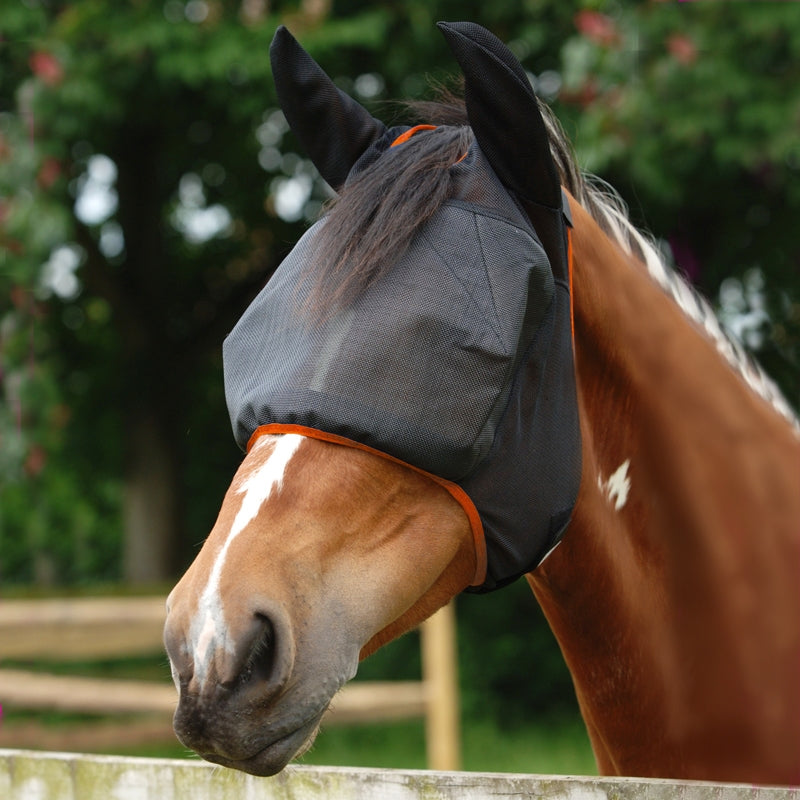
[332,128]
[504,115]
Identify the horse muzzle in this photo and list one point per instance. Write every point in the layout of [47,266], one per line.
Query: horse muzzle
[233,705]
[246,699]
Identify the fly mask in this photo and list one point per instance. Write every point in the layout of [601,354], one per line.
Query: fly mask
[456,361]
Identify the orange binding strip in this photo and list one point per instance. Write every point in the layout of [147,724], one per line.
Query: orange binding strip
[571,291]
[404,137]
[456,492]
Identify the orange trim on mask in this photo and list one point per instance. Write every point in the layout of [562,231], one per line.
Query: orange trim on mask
[404,137]
[571,292]
[455,491]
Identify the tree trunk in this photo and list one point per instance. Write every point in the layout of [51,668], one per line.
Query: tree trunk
[151,372]
[151,502]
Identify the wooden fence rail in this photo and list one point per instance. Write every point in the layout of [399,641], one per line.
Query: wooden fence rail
[60,776]
[97,628]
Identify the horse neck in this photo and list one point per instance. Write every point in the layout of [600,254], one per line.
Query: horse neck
[682,467]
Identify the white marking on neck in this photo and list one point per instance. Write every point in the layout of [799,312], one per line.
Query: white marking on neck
[618,486]
[208,630]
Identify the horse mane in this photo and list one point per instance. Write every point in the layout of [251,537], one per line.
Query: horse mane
[371,222]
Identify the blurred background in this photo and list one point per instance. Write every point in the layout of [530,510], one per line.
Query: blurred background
[149,186]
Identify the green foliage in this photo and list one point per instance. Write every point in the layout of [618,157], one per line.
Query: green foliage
[691,110]
[511,667]
[82,359]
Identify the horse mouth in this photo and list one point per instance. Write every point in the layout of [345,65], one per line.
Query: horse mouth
[275,755]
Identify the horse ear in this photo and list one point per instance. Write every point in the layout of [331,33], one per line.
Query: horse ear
[504,113]
[333,129]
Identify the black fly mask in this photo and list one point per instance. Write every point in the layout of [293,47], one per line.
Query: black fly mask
[458,359]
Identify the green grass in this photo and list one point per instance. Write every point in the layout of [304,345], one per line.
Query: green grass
[552,747]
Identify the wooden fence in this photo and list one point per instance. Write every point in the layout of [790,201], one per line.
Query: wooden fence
[96,628]
[60,776]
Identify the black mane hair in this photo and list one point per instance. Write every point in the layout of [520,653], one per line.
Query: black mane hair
[369,225]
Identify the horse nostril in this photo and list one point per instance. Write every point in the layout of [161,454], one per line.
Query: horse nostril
[259,664]
[251,655]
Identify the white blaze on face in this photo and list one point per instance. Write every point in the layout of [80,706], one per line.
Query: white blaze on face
[208,630]
[618,486]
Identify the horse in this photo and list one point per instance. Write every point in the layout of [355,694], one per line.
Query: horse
[670,565]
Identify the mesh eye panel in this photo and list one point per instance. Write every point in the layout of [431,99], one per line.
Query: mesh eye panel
[419,366]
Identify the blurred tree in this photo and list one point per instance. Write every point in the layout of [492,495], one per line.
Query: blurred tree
[692,111]
[143,186]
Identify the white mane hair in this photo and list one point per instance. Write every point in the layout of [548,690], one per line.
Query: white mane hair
[610,212]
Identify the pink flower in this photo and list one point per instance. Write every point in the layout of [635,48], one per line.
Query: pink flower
[35,461]
[582,96]
[598,27]
[682,49]
[46,67]
[49,172]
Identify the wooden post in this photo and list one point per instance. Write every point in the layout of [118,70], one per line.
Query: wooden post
[440,675]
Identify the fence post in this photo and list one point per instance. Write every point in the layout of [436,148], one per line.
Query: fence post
[440,675]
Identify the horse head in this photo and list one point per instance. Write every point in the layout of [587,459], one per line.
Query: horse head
[368,497]
[319,555]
